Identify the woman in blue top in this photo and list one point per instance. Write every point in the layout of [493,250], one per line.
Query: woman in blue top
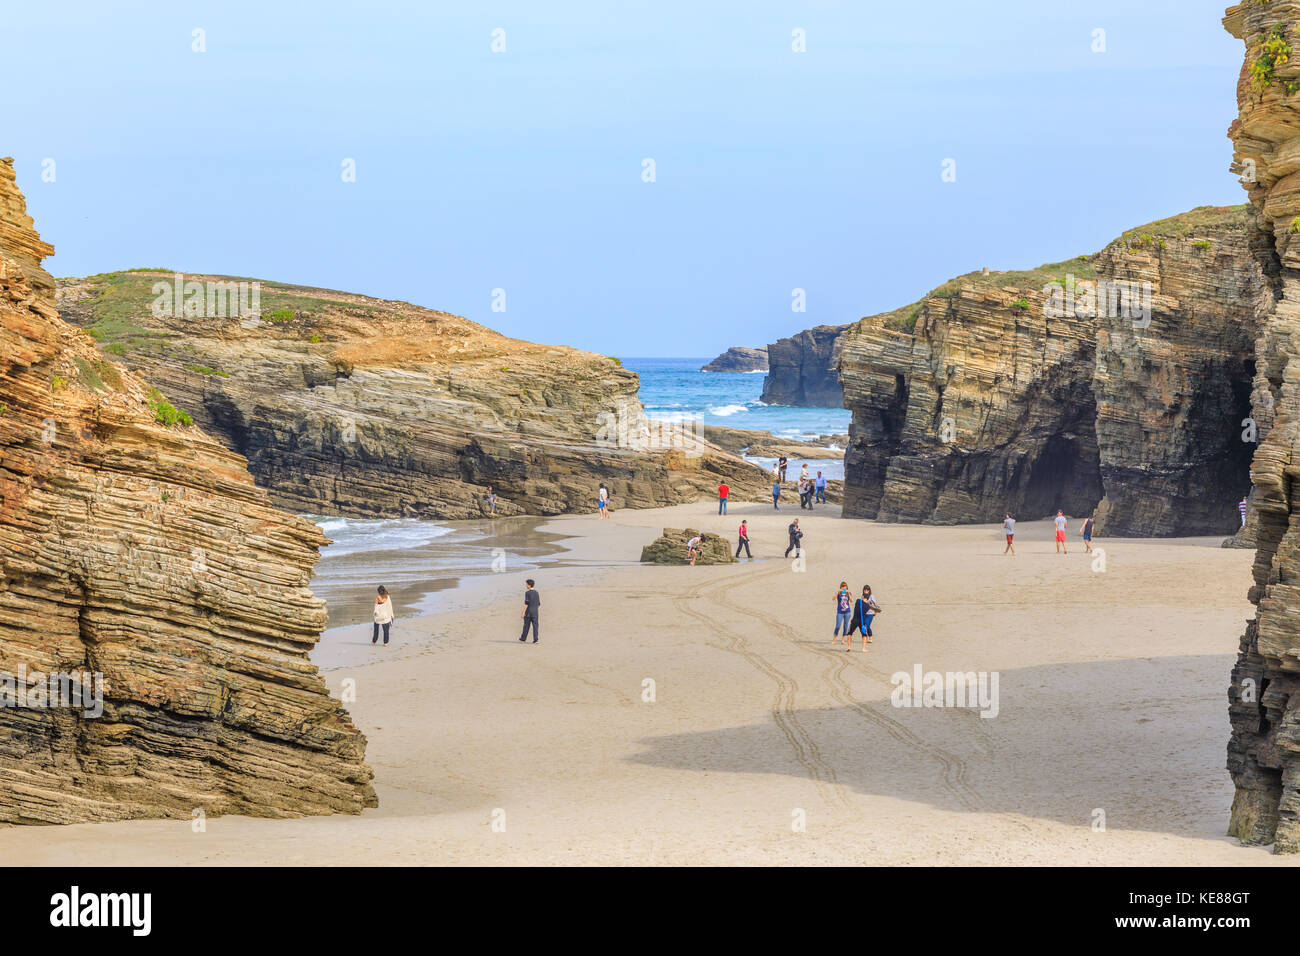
[776,494]
[843,612]
[864,611]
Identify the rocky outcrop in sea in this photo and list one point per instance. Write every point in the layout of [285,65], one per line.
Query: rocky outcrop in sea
[739,359]
[803,369]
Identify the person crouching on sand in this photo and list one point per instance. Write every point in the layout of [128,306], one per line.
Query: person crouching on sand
[843,614]
[865,610]
[743,540]
[383,615]
[693,548]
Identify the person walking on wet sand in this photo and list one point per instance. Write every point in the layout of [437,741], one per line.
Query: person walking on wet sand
[1059,521]
[843,614]
[532,604]
[776,495]
[1009,527]
[795,537]
[1086,530]
[865,610]
[383,615]
[743,542]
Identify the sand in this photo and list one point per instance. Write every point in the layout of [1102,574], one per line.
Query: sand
[763,744]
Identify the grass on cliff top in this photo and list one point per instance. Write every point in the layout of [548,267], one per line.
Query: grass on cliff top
[120,300]
[1192,223]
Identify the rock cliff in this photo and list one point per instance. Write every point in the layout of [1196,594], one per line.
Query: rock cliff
[803,369]
[359,407]
[140,556]
[739,359]
[1119,382]
[1264,695]
[670,548]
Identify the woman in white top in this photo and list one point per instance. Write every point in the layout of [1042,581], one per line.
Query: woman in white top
[383,614]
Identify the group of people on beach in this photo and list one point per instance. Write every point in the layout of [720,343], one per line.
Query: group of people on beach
[1085,530]
[810,489]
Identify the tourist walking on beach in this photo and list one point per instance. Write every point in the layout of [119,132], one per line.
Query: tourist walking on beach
[1086,530]
[781,463]
[843,614]
[1009,526]
[865,610]
[795,537]
[776,495]
[1241,506]
[743,535]
[1059,521]
[820,486]
[602,501]
[693,548]
[532,605]
[723,491]
[383,614]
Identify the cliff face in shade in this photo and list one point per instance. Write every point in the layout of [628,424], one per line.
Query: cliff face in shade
[359,407]
[146,554]
[1264,695]
[739,359]
[980,399]
[803,369]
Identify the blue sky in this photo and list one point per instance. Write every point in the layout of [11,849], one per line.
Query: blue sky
[522,170]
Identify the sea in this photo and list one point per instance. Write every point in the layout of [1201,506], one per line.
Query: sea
[421,562]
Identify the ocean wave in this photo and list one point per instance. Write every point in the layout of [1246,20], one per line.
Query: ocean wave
[722,411]
[361,535]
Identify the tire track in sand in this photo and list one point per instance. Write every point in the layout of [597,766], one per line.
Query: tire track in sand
[805,748]
[953,768]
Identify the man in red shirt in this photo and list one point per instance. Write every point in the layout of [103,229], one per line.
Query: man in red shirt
[723,491]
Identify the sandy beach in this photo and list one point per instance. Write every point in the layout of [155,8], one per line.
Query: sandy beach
[763,743]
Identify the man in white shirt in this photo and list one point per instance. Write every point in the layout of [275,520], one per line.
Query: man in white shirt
[1059,521]
[1009,526]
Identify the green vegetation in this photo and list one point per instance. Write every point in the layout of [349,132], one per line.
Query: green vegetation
[1295,225]
[618,362]
[1021,305]
[1274,52]
[165,413]
[314,339]
[1201,244]
[278,316]
[120,301]
[99,375]
[170,271]
[204,370]
[57,383]
[1184,225]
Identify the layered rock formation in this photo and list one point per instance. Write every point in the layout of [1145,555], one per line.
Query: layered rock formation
[803,369]
[1119,381]
[143,553]
[360,407]
[739,359]
[670,548]
[1264,696]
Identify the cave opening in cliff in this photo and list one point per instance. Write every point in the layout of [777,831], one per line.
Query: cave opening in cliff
[1066,475]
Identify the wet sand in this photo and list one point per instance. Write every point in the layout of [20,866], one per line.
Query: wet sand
[763,743]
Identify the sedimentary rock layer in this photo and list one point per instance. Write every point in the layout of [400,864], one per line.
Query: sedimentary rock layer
[670,548]
[802,369]
[1264,695]
[739,359]
[360,407]
[145,554]
[1119,381]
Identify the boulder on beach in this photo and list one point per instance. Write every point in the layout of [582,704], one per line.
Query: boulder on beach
[670,548]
